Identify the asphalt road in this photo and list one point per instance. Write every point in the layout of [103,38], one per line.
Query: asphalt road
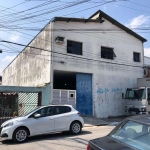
[59,141]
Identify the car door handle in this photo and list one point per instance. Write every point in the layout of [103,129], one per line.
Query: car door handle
[51,118]
[67,115]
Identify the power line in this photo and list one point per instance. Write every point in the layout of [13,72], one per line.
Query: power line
[13,6]
[138,4]
[64,47]
[132,8]
[81,10]
[61,8]
[69,54]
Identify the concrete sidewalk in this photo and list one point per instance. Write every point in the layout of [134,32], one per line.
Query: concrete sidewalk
[92,121]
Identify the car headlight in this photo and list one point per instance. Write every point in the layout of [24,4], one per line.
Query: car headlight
[143,109]
[8,124]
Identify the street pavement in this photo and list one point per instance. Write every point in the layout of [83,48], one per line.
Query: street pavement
[59,141]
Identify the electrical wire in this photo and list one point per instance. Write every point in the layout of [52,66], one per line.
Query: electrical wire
[69,54]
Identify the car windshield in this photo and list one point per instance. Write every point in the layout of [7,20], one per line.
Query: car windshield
[29,112]
[133,134]
[135,94]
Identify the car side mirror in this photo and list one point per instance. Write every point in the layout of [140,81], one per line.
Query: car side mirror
[37,115]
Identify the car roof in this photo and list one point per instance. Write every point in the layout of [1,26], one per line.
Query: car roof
[140,118]
[57,105]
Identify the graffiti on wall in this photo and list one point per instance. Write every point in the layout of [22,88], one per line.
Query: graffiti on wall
[106,90]
[109,101]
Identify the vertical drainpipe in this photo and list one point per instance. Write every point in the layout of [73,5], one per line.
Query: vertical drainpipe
[143,56]
[51,65]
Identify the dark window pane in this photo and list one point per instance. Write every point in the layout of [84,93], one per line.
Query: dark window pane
[68,109]
[107,53]
[74,47]
[61,109]
[136,57]
[42,112]
[47,111]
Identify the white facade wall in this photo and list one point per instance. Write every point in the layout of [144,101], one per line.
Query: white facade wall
[32,66]
[109,80]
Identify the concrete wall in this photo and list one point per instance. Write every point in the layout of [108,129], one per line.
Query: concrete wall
[45,91]
[146,61]
[109,80]
[32,66]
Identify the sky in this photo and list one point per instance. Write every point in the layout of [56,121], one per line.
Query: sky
[21,20]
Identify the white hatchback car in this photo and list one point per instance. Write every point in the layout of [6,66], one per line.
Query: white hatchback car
[43,120]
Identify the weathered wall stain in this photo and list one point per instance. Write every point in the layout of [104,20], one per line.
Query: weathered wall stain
[109,101]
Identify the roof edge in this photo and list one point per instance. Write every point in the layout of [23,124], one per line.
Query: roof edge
[115,22]
[27,45]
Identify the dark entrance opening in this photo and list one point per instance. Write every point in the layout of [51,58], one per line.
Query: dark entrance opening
[64,80]
[74,89]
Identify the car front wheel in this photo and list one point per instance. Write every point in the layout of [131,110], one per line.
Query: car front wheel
[20,135]
[75,127]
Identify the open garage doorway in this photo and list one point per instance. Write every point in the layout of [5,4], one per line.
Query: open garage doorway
[74,89]
[64,88]
[64,80]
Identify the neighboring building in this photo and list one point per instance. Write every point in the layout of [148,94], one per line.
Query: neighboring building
[146,67]
[0,80]
[88,62]
[146,61]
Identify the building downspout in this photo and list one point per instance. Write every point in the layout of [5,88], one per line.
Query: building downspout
[143,58]
[51,65]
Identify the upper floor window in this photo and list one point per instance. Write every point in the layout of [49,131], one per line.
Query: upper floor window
[107,53]
[136,57]
[74,47]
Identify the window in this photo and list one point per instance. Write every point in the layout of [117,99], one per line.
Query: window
[61,109]
[46,111]
[148,96]
[135,94]
[133,134]
[136,57]
[107,53]
[74,47]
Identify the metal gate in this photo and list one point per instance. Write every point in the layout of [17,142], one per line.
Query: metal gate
[14,104]
[61,97]
[84,93]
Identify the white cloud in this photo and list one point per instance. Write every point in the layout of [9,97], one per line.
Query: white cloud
[138,21]
[8,58]
[147,52]
[14,38]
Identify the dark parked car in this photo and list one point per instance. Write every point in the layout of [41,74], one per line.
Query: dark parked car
[131,134]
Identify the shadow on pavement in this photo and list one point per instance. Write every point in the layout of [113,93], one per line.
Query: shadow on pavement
[55,136]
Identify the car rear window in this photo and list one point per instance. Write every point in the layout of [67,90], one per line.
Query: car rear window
[61,109]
